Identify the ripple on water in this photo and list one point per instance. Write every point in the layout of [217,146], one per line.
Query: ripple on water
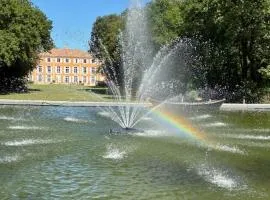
[77,120]
[247,137]
[114,153]
[219,178]
[8,118]
[215,124]
[27,142]
[9,159]
[230,149]
[146,118]
[151,133]
[104,114]
[201,117]
[25,127]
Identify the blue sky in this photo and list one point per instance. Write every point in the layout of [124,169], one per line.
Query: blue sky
[73,19]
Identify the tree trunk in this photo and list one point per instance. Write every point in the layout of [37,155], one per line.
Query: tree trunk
[244,48]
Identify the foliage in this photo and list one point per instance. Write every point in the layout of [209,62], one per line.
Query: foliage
[265,72]
[24,32]
[104,42]
[229,40]
[165,18]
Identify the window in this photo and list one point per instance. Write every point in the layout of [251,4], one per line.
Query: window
[40,78]
[49,69]
[84,79]
[75,79]
[66,79]
[76,60]
[58,79]
[92,79]
[93,60]
[58,59]
[48,78]
[67,70]
[75,70]
[67,60]
[58,70]
[48,59]
[39,69]
[93,70]
[84,60]
[84,70]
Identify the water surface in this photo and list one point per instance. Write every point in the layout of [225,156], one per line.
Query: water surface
[68,153]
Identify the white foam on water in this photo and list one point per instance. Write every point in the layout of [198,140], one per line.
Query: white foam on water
[218,177]
[107,137]
[231,149]
[104,114]
[27,142]
[23,127]
[262,130]
[151,133]
[147,118]
[215,124]
[9,159]
[248,137]
[200,117]
[114,153]
[255,144]
[3,117]
[77,120]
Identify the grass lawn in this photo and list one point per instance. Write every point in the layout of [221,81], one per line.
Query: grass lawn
[54,92]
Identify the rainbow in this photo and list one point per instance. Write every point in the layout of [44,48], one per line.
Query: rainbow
[182,125]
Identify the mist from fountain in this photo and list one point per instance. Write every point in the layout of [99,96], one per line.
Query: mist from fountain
[142,71]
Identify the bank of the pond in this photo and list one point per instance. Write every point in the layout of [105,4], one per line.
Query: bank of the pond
[67,103]
[244,107]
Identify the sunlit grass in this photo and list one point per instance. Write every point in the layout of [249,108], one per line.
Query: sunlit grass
[55,92]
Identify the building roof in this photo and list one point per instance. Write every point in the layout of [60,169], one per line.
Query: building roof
[65,52]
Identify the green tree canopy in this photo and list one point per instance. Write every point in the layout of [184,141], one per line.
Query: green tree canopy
[104,43]
[230,42]
[24,32]
[165,19]
[233,41]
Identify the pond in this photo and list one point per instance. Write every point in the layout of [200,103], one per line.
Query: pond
[69,153]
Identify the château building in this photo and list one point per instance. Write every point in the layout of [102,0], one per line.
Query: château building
[66,66]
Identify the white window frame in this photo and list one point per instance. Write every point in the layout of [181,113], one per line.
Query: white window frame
[40,69]
[76,79]
[84,72]
[49,71]
[84,79]
[93,80]
[49,79]
[39,78]
[75,72]
[56,70]
[67,69]
[67,79]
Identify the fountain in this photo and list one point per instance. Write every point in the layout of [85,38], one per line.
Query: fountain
[58,152]
[144,74]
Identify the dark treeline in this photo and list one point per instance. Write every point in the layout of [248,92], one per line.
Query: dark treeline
[231,42]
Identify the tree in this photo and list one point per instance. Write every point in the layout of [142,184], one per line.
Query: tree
[104,44]
[165,19]
[233,42]
[24,32]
